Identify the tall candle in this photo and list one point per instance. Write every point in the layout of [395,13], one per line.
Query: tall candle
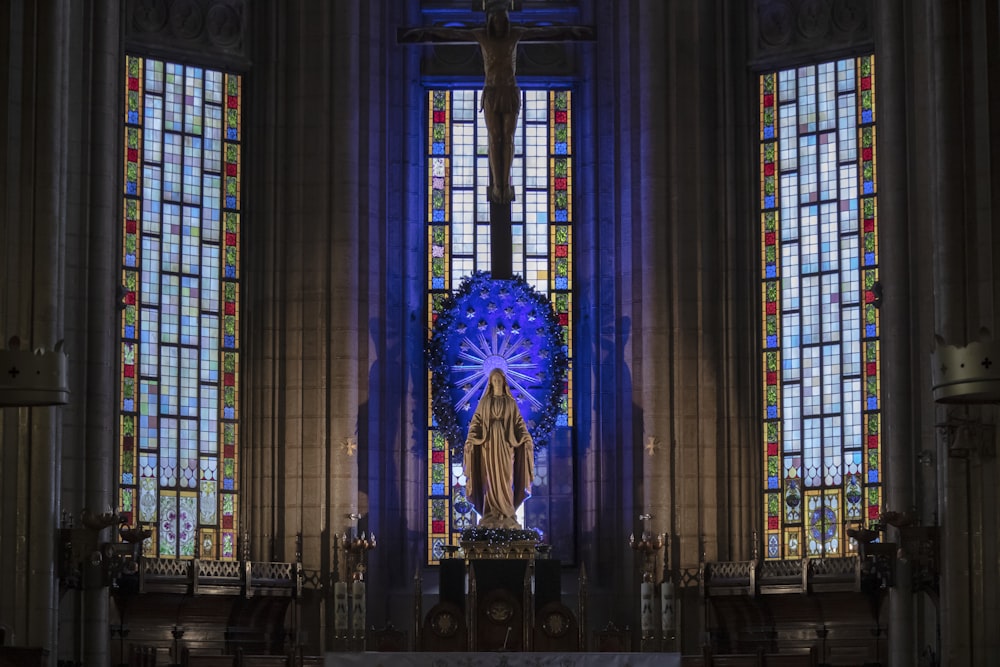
[646,608]
[340,608]
[667,608]
[358,608]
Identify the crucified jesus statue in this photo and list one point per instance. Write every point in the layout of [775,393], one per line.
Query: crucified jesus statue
[501,99]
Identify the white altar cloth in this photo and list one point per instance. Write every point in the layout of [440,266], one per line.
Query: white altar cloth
[498,659]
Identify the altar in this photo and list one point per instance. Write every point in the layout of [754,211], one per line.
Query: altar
[502,659]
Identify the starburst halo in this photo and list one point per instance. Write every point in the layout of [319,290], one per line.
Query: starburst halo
[488,324]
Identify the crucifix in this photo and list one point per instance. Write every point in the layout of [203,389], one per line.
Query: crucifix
[501,103]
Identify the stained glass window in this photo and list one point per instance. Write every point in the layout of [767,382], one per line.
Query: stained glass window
[180,318]
[820,333]
[458,239]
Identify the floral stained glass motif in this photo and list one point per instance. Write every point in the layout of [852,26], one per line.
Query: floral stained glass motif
[179,327]
[820,355]
[458,242]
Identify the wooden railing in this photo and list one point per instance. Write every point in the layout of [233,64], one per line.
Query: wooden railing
[215,577]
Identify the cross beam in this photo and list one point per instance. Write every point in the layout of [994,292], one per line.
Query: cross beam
[501,103]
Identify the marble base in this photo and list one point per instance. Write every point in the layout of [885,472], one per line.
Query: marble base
[503,659]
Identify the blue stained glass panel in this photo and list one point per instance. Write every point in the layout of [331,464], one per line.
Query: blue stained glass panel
[182,298]
[826,189]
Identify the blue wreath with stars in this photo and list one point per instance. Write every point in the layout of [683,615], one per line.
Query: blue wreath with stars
[496,323]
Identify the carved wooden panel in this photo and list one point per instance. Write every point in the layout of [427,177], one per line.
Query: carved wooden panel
[499,622]
[444,629]
[839,628]
[556,629]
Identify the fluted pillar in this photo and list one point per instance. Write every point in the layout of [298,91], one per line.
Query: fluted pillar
[960,177]
[948,230]
[264,478]
[102,266]
[33,242]
[653,226]
[48,225]
[896,316]
[343,270]
[604,269]
[14,242]
[388,391]
[305,416]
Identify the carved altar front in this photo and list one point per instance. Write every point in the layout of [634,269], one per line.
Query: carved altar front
[500,594]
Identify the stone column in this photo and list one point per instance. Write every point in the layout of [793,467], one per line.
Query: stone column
[270,539]
[392,239]
[654,280]
[695,429]
[403,496]
[32,238]
[949,226]
[101,238]
[13,245]
[344,268]
[736,252]
[896,317]
[48,293]
[607,272]
[604,268]
[307,228]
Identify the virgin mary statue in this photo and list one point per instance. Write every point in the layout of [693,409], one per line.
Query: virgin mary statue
[499,456]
